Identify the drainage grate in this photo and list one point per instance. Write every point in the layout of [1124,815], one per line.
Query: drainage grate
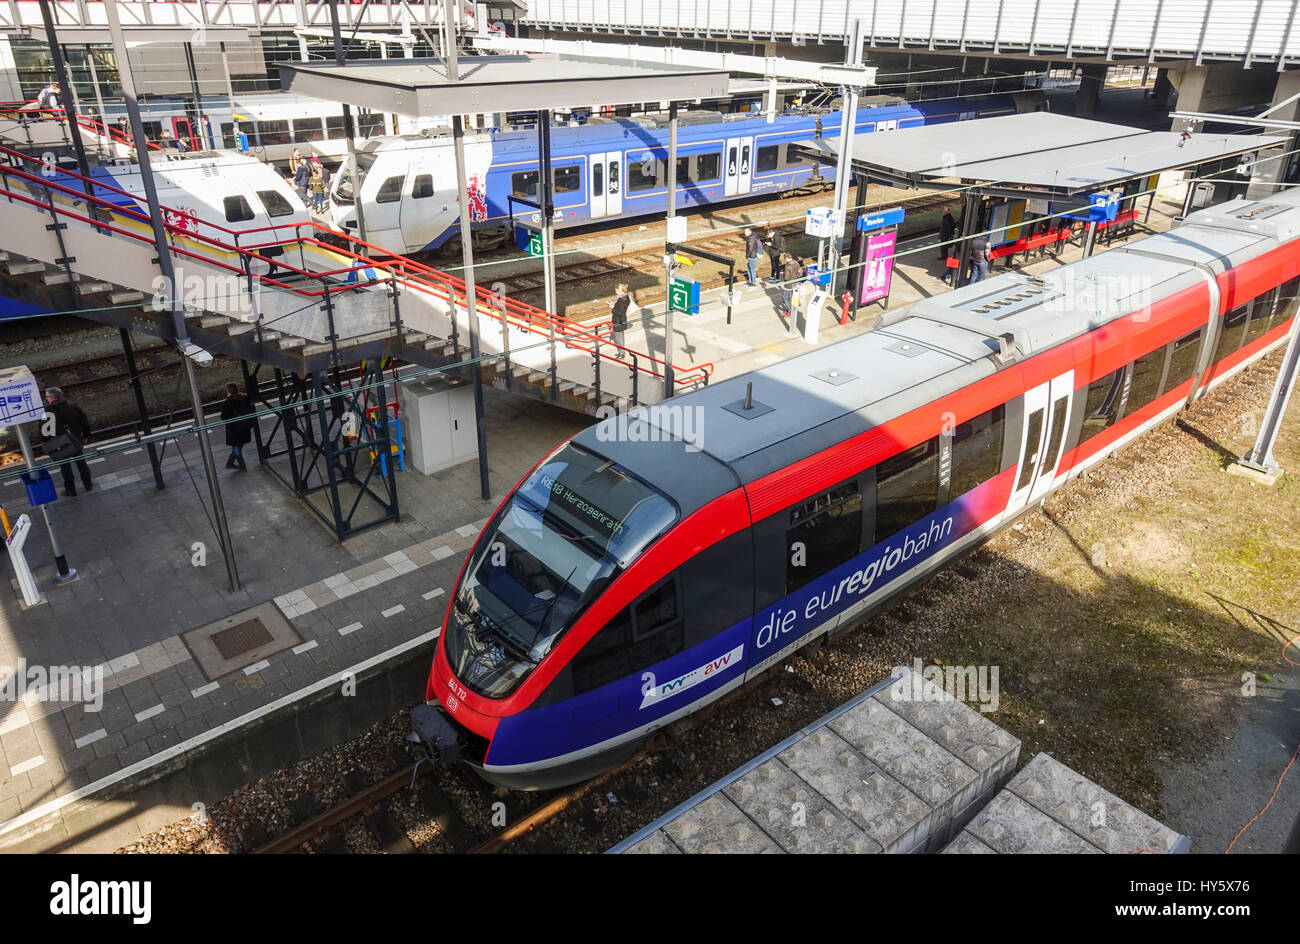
[237,640]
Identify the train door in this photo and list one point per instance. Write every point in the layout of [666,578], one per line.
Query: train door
[183,131]
[739,166]
[606,185]
[1047,419]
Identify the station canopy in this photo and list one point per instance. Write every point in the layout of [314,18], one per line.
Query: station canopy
[499,83]
[1038,151]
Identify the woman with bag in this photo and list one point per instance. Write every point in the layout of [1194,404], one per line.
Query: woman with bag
[791,276]
[239,428]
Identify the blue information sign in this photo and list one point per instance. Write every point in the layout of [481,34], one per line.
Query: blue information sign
[870,221]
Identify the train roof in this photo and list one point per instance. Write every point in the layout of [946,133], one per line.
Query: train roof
[810,402]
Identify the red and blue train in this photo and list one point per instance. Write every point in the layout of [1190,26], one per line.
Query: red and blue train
[653,563]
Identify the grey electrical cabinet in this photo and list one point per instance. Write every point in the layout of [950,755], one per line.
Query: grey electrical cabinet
[438,423]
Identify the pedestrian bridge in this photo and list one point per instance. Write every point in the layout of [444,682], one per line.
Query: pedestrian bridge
[1244,31]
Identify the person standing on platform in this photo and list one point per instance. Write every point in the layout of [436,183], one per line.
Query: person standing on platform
[295,159]
[791,276]
[71,431]
[235,412]
[317,188]
[302,179]
[753,249]
[947,226]
[775,243]
[618,310]
[979,259]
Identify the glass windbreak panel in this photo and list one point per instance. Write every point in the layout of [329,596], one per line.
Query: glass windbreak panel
[572,527]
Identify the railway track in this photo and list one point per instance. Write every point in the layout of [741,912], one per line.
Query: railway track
[606,272]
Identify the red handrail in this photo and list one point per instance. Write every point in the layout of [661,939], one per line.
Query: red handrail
[407,271]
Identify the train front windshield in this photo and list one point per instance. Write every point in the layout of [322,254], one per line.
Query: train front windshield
[572,527]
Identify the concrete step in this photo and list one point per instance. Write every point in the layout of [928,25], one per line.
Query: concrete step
[125,297]
[25,268]
[287,342]
[95,288]
[236,328]
[567,385]
[55,277]
[212,321]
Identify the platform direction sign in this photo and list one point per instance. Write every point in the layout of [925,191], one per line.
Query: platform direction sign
[528,239]
[684,296]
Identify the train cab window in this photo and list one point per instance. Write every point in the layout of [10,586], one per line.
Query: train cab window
[274,132]
[825,531]
[645,175]
[307,129]
[391,190]
[1260,314]
[656,611]
[708,167]
[274,203]
[1230,334]
[976,451]
[566,179]
[1146,380]
[237,209]
[422,188]
[767,158]
[1182,361]
[1102,406]
[907,488]
[524,183]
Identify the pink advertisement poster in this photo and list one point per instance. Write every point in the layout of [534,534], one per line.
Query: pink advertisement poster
[877,267]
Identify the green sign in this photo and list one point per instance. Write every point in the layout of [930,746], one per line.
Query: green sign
[535,244]
[684,296]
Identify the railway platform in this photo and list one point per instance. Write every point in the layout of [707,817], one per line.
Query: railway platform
[187,668]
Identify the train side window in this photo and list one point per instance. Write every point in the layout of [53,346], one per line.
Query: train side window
[228,139]
[524,183]
[767,158]
[274,132]
[1230,335]
[370,124]
[792,158]
[907,488]
[334,127]
[1033,436]
[1260,313]
[605,657]
[275,203]
[1182,363]
[391,191]
[237,209]
[597,178]
[644,175]
[422,188]
[708,167]
[1146,379]
[1288,296]
[1056,435]
[976,451]
[657,629]
[1102,407]
[307,129]
[684,171]
[731,162]
[825,531]
[566,179]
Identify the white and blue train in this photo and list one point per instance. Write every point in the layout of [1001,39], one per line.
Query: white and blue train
[605,169]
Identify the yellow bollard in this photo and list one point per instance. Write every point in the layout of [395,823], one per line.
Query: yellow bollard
[4,519]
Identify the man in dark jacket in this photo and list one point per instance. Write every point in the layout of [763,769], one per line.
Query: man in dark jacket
[947,226]
[68,417]
[979,259]
[753,249]
[301,179]
[775,243]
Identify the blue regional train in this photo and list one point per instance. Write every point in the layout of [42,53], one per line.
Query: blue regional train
[605,169]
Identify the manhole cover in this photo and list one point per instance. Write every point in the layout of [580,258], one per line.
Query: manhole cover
[240,640]
[237,640]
